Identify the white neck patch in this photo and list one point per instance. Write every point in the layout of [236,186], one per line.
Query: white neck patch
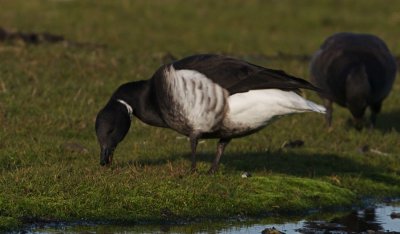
[128,107]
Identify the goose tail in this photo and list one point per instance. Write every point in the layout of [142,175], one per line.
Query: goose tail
[316,107]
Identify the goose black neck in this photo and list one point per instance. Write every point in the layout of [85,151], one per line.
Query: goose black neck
[141,97]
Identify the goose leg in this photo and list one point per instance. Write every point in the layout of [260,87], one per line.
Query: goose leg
[375,109]
[220,150]
[329,110]
[194,139]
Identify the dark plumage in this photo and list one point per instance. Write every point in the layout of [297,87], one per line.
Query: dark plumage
[202,96]
[356,71]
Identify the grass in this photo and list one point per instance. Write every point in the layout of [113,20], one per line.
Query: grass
[51,93]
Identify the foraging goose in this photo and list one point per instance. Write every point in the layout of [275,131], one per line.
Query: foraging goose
[356,71]
[202,96]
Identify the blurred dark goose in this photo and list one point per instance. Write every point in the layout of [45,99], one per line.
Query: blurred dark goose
[203,96]
[356,71]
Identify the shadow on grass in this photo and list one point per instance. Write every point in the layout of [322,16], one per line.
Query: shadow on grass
[296,163]
[388,121]
[307,165]
[151,161]
[285,162]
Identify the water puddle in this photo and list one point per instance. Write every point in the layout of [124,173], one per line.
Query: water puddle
[377,219]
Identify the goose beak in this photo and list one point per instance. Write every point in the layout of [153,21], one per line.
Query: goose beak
[106,155]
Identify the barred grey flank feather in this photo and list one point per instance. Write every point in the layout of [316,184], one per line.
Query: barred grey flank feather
[197,103]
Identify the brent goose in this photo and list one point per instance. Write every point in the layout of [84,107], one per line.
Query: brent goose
[202,96]
[356,71]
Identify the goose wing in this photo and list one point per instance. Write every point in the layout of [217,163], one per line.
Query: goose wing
[350,47]
[238,76]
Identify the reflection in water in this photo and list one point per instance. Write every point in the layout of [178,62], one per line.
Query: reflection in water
[376,219]
[356,221]
[369,219]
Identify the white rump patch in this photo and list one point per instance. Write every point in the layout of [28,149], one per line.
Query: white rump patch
[255,108]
